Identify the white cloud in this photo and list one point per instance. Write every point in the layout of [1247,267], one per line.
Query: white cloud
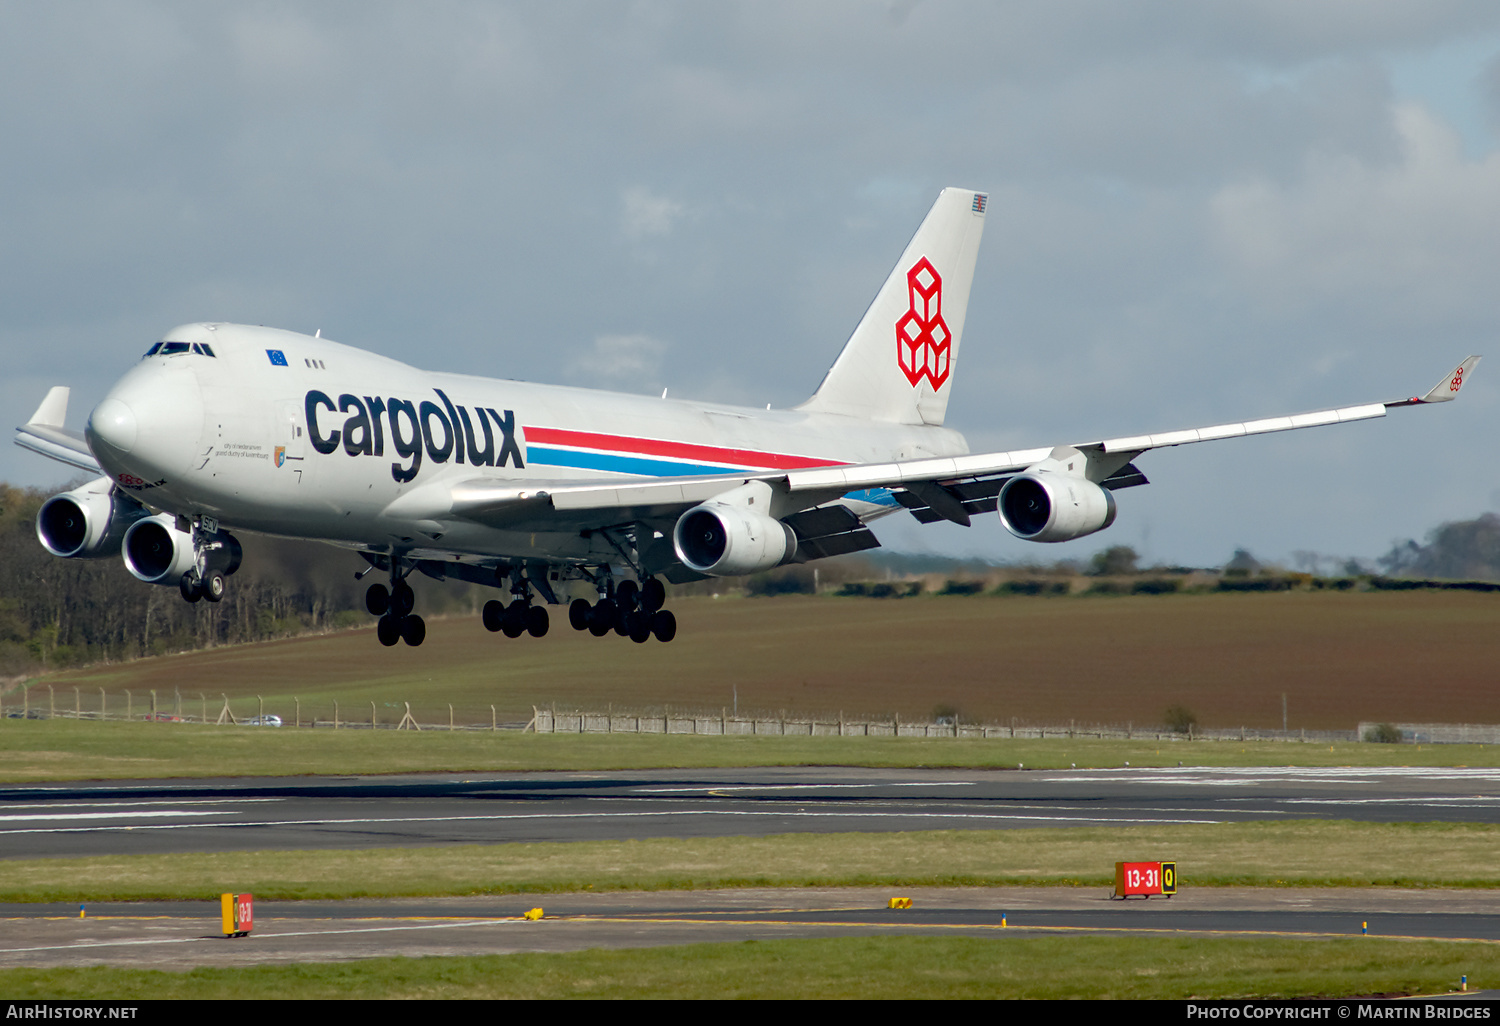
[1406,244]
[644,214]
[619,361]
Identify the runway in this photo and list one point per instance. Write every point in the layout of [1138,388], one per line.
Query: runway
[350,813]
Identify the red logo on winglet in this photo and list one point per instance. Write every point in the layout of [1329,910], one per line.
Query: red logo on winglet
[922,338]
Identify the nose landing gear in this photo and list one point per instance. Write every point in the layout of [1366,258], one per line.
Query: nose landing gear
[216,555]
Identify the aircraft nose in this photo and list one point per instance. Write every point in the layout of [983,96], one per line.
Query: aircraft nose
[149,424]
[113,422]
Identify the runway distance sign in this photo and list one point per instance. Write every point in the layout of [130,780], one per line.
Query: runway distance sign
[238,914]
[1145,879]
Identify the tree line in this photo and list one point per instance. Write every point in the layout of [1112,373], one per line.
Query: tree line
[63,612]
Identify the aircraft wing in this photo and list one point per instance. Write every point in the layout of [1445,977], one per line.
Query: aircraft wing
[942,488]
[44,433]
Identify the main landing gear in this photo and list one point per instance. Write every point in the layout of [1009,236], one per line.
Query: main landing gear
[394,607]
[630,610]
[520,617]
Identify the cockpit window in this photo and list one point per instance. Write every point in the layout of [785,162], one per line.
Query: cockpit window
[174,348]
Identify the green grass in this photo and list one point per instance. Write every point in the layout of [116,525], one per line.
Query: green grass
[1287,854]
[871,967]
[52,750]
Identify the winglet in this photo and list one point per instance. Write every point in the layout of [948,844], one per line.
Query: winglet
[1444,390]
[54,409]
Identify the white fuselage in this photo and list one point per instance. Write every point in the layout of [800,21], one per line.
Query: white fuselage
[288,434]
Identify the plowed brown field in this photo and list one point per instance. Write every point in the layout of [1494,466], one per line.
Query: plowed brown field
[1338,657]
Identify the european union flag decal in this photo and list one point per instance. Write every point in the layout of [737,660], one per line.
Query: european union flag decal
[278,358]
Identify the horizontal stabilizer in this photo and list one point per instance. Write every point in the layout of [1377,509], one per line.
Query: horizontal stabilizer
[45,434]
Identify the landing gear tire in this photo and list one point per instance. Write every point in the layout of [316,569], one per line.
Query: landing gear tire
[494,615]
[653,595]
[388,630]
[578,614]
[212,587]
[602,618]
[377,600]
[640,627]
[664,625]
[625,594]
[413,630]
[189,588]
[402,598]
[537,621]
[514,621]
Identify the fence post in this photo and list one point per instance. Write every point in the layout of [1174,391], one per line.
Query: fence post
[103,706]
[297,706]
[77,705]
[51,703]
[335,714]
[153,703]
[493,725]
[372,715]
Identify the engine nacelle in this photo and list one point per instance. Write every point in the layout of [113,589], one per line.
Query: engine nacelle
[1047,507]
[87,523]
[730,535]
[158,553]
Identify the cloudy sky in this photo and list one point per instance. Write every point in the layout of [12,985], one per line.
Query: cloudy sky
[1199,212]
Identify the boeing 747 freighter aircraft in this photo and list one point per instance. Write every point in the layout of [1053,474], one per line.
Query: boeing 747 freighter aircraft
[539,489]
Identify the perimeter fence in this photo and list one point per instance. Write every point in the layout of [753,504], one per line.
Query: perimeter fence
[46,702]
[552,720]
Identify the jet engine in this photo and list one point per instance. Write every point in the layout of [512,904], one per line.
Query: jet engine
[1047,507]
[726,536]
[88,522]
[158,553]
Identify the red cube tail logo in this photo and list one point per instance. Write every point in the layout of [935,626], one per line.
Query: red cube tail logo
[923,343]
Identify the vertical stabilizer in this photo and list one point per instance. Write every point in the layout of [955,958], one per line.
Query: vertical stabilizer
[899,363]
